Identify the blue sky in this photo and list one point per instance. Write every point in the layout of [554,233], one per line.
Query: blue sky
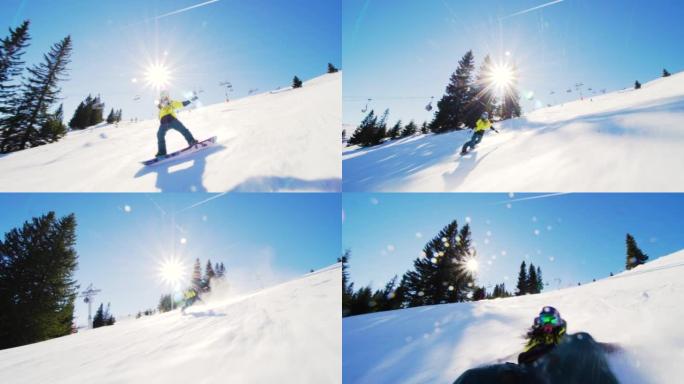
[260,238]
[402,52]
[256,44]
[580,236]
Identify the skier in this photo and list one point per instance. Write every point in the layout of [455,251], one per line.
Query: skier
[191,296]
[480,127]
[168,120]
[546,333]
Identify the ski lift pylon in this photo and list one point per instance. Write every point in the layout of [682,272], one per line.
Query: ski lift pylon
[365,108]
[428,107]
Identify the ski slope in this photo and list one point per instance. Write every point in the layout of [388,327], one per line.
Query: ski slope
[625,141]
[285,141]
[640,310]
[289,333]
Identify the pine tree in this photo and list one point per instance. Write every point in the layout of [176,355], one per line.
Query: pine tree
[12,48]
[118,116]
[197,276]
[450,112]
[111,117]
[209,274]
[635,256]
[424,128]
[540,281]
[665,73]
[296,83]
[410,129]
[440,276]
[37,286]
[510,105]
[532,280]
[371,131]
[637,84]
[99,319]
[481,94]
[54,129]
[78,121]
[395,131]
[96,108]
[38,94]
[522,280]
[331,68]
[347,287]
[165,303]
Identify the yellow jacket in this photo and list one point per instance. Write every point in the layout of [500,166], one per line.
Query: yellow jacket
[482,125]
[170,108]
[189,294]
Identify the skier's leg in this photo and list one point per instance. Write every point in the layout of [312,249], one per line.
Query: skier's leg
[178,126]
[161,142]
[477,137]
[468,144]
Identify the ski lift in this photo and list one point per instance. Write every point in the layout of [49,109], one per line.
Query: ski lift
[365,109]
[568,91]
[428,107]
[136,98]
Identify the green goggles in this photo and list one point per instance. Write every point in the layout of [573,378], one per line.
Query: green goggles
[548,319]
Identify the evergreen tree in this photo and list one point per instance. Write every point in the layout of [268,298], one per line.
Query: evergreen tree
[637,84]
[665,73]
[38,94]
[108,317]
[635,256]
[111,117]
[209,274]
[440,276]
[532,280]
[54,129]
[451,107]
[522,280]
[78,121]
[118,116]
[37,287]
[482,95]
[197,276]
[331,68]
[410,129]
[510,105]
[95,115]
[395,131]
[371,131]
[540,281]
[480,293]
[296,83]
[165,303]
[12,48]
[424,128]
[99,319]
[347,287]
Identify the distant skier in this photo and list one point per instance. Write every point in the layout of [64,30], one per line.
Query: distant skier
[168,120]
[480,127]
[546,333]
[190,297]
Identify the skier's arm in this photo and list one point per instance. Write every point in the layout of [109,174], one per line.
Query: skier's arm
[493,129]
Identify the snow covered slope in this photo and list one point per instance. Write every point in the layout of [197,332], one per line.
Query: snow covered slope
[630,140]
[640,310]
[290,333]
[288,141]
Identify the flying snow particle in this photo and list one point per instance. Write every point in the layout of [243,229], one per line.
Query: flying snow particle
[451,287]
[374,201]
[166,53]
[534,219]
[511,195]
[508,53]
[204,217]
[421,293]
[134,80]
[536,232]
[390,247]
[488,221]
[127,208]
[470,295]
[505,277]
[183,240]
[489,262]
[509,205]
[503,253]
[486,241]
[493,257]
[434,260]
[467,219]
[551,258]
[548,227]
[419,235]
[444,239]
[489,233]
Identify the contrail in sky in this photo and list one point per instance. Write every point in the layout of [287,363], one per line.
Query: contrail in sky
[187,9]
[532,197]
[531,9]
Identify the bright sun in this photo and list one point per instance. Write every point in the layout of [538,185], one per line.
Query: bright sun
[157,75]
[171,271]
[502,76]
[472,265]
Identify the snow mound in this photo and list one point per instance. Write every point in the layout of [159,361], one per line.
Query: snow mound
[289,333]
[287,141]
[625,141]
[639,310]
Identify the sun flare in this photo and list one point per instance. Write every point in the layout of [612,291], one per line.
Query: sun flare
[502,76]
[171,272]
[471,265]
[157,75]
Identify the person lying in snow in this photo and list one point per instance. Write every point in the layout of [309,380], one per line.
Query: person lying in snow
[480,127]
[544,335]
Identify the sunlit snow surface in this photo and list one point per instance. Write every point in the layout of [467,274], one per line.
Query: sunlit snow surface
[285,141]
[629,140]
[640,310]
[289,333]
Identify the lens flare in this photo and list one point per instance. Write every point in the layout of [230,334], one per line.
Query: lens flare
[157,75]
[471,265]
[502,76]
[172,272]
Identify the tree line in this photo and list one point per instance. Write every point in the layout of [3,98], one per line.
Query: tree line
[200,282]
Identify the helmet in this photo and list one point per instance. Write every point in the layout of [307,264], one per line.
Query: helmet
[163,94]
[485,115]
[549,319]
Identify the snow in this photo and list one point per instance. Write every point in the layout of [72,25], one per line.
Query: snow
[640,310]
[287,141]
[629,140]
[289,333]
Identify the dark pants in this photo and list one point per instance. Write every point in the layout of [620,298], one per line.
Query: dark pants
[474,140]
[172,124]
